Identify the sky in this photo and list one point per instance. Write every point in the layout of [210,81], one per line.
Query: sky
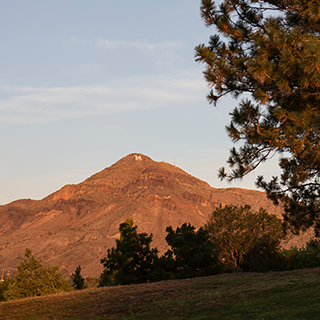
[85,83]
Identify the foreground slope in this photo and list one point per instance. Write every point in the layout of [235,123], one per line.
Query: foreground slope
[78,223]
[286,295]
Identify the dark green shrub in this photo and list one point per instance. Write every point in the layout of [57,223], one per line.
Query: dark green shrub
[132,260]
[77,279]
[192,253]
[305,257]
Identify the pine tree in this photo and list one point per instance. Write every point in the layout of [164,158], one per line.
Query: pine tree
[77,279]
[192,253]
[270,51]
[132,260]
[33,279]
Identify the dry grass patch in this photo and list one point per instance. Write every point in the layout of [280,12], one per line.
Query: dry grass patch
[276,295]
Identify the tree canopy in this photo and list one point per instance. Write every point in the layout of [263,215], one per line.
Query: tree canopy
[192,252]
[269,50]
[33,279]
[132,260]
[245,240]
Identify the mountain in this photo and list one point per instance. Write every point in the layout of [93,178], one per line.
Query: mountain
[78,223]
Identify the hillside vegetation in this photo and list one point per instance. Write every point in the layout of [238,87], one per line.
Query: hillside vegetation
[242,241]
[274,295]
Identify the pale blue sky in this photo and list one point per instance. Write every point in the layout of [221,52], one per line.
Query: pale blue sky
[84,83]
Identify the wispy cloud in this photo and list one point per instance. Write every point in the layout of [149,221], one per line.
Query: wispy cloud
[115,44]
[39,104]
[138,45]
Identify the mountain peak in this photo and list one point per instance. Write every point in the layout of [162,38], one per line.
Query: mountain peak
[78,223]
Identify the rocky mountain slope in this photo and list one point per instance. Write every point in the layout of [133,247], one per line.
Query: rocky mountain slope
[78,223]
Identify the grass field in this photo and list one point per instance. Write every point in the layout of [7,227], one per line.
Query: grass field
[274,295]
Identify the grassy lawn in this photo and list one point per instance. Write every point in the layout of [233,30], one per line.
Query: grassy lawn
[274,295]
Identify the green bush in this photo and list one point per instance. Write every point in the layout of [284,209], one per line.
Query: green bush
[33,279]
[305,257]
[4,287]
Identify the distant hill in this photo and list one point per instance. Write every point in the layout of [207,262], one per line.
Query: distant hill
[78,223]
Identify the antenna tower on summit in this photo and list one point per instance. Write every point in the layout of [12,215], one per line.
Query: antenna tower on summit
[174,160]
